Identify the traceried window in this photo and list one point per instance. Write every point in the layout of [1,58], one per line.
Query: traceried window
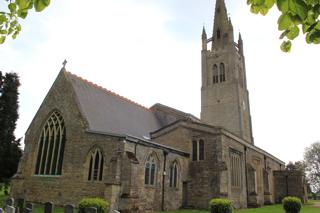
[51,146]
[235,164]
[150,171]
[222,73]
[174,175]
[197,150]
[95,172]
[215,74]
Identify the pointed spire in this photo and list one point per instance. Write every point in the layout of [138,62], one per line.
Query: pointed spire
[240,44]
[222,29]
[204,34]
[204,39]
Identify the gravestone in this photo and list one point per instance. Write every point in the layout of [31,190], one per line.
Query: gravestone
[28,210]
[9,209]
[10,201]
[48,207]
[68,208]
[90,210]
[20,205]
[29,206]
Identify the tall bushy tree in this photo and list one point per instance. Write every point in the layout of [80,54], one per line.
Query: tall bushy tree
[10,151]
[312,160]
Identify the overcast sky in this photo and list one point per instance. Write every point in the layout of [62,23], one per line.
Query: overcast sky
[149,51]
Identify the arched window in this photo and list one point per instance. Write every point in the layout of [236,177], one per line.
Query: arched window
[150,171]
[51,146]
[215,74]
[222,73]
[95,165]
[174,175]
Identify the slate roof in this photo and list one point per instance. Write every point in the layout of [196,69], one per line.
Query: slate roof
[107,112]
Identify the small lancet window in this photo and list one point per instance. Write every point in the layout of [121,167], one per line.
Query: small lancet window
[215,74]
[150,171]
[218,34]
[51,146]
[198,150]
[95,165]
[222,73]
[201,149]
[174,175]
[194,150]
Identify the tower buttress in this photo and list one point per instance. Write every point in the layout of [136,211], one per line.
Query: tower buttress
[224,94]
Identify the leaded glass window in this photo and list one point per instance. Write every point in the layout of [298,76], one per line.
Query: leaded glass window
[51,146]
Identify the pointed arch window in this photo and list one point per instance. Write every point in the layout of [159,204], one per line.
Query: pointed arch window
[218,34]
[95,172]
[215,74]
[150,171]
[174,175]
[51,146]
[222,72]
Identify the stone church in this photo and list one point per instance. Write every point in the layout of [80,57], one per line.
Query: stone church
[86,141]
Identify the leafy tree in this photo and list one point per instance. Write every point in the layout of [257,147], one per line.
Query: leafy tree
[17,9]
[312,161]
[296,166]
[296,16]
[10,151]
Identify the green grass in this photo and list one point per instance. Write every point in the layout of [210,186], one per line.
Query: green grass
[266,209]
[3,198]
[40,209]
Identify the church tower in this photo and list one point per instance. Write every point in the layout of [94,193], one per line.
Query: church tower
[224,94]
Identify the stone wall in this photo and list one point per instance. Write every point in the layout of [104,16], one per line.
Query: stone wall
[290,183]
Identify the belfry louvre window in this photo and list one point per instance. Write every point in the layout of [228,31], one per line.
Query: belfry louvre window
[51,146]
[95,165]
[150,171]
[174,175]
[235,164]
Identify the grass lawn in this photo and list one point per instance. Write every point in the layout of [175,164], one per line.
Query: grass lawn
[266,209]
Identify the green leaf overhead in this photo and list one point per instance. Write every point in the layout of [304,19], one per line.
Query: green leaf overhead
[284,22]
[295,15]
[17,9]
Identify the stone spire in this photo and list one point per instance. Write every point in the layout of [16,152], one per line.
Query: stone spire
[204,39]
[240,44]
[222,28]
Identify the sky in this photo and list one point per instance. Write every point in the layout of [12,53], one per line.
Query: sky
[149,52]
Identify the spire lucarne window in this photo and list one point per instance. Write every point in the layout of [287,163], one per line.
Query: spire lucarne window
[51,146]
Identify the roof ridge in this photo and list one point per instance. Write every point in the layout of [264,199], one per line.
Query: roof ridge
[108,91]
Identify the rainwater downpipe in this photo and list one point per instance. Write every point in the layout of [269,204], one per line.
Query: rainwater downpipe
[165,153]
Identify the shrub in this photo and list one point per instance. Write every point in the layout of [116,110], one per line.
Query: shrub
[218,205]
[99,203]
[291,204]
